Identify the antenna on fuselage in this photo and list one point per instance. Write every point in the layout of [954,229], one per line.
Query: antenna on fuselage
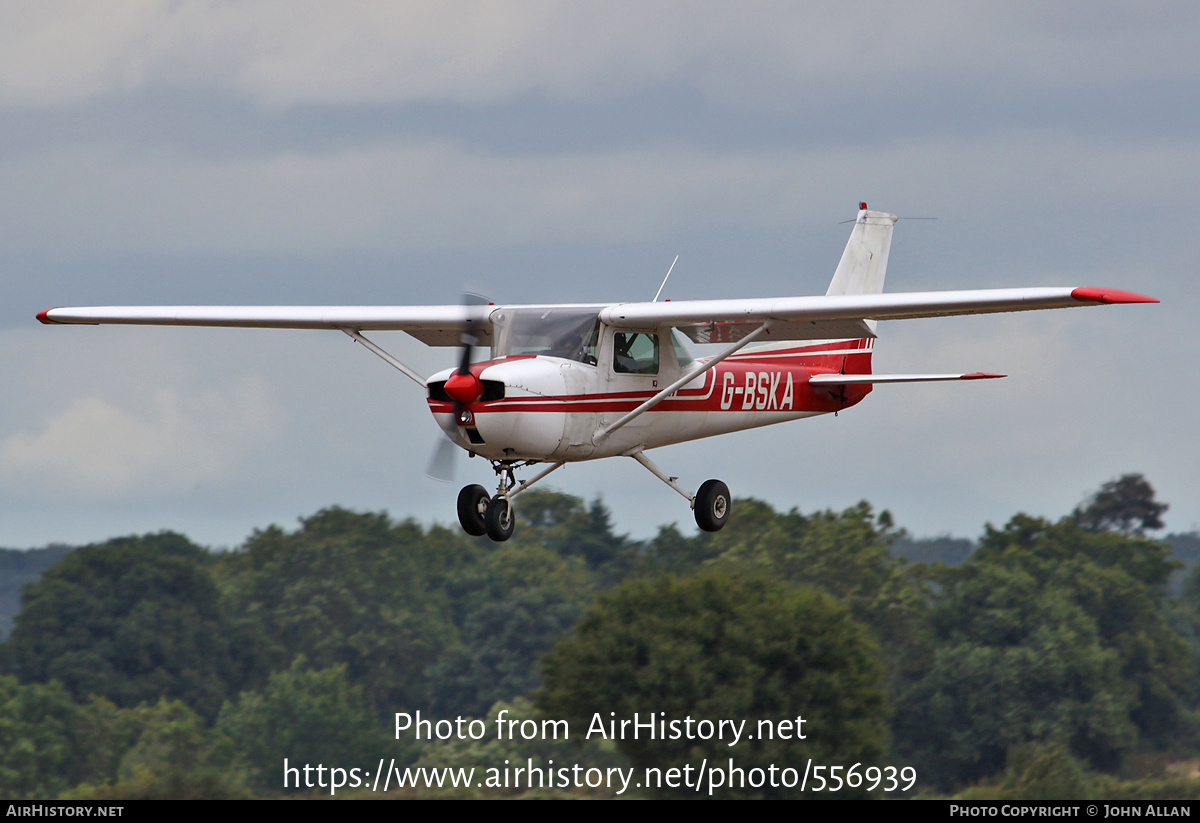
[664,282]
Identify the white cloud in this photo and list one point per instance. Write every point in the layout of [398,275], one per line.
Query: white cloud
[165,444]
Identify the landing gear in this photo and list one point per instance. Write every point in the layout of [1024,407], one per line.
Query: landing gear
[494,516]
[500,519]
[473,503]
[478,514]
[712,505]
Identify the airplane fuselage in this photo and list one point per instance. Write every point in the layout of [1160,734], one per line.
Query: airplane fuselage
[557,409]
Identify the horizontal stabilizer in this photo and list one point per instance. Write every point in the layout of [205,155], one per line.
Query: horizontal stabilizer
[854,379]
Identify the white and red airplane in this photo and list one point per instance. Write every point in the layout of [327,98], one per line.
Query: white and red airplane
[574,382]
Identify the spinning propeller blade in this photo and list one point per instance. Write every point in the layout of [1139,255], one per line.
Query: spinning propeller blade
[462,388]
[443,461]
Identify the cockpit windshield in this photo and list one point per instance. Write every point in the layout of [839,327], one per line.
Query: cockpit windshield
[570,333]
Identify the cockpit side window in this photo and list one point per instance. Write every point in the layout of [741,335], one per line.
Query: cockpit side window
[635,353]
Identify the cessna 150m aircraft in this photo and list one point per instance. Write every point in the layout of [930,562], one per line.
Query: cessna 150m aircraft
[579,382]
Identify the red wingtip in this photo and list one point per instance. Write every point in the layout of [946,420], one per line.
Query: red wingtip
[981,375]
[43,318]
[1099,295]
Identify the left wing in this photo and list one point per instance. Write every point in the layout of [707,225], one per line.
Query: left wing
[432,325]
[844,315]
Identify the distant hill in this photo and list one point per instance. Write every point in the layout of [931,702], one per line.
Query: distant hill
[955,550]
[18,567]
[1186,547]
[945,549]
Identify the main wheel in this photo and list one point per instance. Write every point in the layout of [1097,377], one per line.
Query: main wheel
[472,509]
[500,519]
[712,505]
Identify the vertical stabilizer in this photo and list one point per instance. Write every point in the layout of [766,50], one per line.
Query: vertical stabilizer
[860,271]
[864,262]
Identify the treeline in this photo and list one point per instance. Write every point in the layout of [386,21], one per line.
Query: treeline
[17,568]
[1050,662]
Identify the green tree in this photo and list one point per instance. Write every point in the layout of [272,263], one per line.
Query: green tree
[132,619]
[714,647]
[490,753]
[353,589]
[1028,666]
[305,717]
[844,553]
[39,749]
[510,608]
[1039,772]
[670,552]
[1125,505]
[1048,634]
[1120,581]
[18,568]
[564,525]
[157,751]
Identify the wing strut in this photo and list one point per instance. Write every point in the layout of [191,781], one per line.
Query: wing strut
[385,357]
[602,434]
[640,456]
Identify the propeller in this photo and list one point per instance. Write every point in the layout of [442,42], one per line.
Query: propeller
[443,462]
[463,388]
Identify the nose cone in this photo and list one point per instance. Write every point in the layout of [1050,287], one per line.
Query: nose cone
[462,388]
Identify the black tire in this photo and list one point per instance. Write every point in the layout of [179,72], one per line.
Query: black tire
[712,505]
[500,519]
[472,510]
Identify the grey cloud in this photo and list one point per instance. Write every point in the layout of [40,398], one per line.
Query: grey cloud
[409,196]
[291,152]
[294,53]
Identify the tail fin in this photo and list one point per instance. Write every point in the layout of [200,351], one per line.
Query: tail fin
[864,262]
[860,271]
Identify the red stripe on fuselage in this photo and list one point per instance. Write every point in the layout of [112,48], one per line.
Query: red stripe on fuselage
[861,344]
[776,382]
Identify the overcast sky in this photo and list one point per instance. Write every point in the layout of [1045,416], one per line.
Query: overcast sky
[395,153]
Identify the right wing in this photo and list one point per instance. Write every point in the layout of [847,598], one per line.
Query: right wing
[844,315]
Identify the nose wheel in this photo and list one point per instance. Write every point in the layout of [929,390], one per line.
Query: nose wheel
[473,505]
[479,514]
[500,519]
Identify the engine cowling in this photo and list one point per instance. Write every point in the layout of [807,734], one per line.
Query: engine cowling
[526,420]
